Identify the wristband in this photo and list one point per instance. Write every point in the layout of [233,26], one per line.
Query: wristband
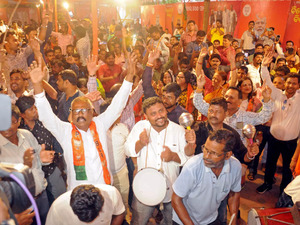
[92,75]
[44,26]
[149,64]
[199,89]
[250,157]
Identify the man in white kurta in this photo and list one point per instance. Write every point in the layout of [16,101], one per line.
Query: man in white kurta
[61,212]
[166,150]
[63,133]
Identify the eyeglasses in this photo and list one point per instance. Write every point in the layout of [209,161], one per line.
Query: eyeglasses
[212,153]
[77,111]
[180,77]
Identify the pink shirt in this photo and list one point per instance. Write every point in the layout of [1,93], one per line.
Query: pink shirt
[187,38]
[63,41]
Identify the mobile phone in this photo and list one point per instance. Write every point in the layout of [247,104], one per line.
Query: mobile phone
[246,54]
[278,37]
[211,52]
[71,14]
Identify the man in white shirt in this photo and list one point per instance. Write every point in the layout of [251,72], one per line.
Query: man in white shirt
[285,127]
[84,140]
[88,204]
[254,70]
[248,39]
[160,144]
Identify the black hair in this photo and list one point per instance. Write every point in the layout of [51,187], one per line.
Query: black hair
[24,103]
[48,51]
[240,95]
[174,88]
[184,61]
[86,202]
[257,53]
[154,29]
[201,33]
[108,54]
[220,102]
[69,75]
[16,71]
[56,48]
[223,136]
[215,56]
[284,69]
[245,68]
[228,37]
[150,102]
[82,82]
[259,44]
[191,21]
[251,22]
[293,75]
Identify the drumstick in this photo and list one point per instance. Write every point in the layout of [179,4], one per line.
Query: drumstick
[231,218]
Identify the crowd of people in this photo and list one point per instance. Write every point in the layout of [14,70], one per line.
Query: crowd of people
[87,124]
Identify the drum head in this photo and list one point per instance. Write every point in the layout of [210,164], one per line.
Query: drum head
[253,217]
[149,186]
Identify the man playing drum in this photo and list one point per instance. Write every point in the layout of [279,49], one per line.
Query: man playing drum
[160,144]
[206,179]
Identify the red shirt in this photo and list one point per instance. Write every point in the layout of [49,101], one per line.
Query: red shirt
[105,71]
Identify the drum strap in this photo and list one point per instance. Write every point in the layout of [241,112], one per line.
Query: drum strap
[148,144]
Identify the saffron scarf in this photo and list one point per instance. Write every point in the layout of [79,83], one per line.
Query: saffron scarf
[78,153]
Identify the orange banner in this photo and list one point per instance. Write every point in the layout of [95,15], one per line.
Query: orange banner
[234,15]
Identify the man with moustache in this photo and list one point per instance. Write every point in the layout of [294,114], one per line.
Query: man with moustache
[158,143]
[84,139]
[207,179]
[284,129]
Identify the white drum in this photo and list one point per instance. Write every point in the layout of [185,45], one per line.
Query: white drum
[253,217]
[149,186]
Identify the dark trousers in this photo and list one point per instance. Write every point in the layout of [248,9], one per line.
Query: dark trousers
[266,135]
[287,149]
[130,167]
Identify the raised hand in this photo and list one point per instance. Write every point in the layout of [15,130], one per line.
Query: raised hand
[92,64]
[154,54]
[203,53]
[201,81]
[46,156]
[266,92]
[268,57]
[36,72]
[231,56]
[94,96]
[132,61]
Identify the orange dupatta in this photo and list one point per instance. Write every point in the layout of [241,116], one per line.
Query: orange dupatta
[78,153]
